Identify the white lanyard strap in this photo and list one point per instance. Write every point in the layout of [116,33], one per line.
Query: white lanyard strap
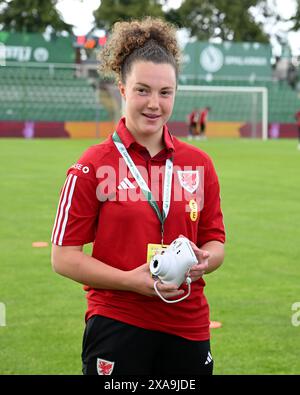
[142,183]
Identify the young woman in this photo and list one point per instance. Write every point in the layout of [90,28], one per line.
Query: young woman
[137,190]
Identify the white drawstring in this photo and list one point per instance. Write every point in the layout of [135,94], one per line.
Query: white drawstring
[188,281]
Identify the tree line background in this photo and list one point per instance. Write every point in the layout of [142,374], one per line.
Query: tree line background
[204,19]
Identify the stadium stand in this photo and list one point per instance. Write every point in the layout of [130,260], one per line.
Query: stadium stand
[47,94]
[56,93]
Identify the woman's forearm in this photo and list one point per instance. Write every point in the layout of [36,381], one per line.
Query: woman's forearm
[216,255]
[73,263]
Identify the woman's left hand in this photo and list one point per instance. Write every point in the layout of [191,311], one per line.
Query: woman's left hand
[200,268]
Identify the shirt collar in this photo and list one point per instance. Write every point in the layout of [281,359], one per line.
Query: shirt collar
[128,139]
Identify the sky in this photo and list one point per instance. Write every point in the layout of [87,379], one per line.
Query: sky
[80,14]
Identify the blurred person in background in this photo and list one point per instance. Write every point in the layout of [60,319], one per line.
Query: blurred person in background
[192,121]
[203,122]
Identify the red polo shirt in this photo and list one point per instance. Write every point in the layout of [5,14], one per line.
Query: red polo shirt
[193,117]
[203,115]
[102,203]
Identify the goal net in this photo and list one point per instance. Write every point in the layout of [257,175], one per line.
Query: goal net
[236,111]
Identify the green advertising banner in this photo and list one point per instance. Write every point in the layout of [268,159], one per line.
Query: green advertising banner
[226,60]
[30,47]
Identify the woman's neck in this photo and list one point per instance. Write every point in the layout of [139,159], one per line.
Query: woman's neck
[153,143]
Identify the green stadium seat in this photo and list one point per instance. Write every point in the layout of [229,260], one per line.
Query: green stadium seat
[46,94]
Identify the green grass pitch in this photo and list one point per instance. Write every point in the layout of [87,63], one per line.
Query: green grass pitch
[251,294]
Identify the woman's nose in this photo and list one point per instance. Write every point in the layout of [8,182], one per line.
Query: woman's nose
[153,101]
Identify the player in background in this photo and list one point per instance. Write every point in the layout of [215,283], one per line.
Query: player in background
[192,120]
[203,122]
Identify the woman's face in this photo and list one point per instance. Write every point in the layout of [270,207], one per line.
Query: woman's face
[149,93]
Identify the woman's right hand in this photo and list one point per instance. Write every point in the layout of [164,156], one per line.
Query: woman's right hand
[141,281]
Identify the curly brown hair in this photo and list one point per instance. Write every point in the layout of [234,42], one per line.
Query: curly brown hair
[149,39]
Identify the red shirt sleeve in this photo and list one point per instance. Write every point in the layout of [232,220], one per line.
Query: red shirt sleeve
[211,225]
[78,208]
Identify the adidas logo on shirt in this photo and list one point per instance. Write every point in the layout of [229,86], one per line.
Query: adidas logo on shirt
[126,184]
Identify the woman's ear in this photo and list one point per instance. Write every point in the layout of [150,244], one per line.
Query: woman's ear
[121,87]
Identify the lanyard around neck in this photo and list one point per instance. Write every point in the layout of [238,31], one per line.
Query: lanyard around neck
[143,185]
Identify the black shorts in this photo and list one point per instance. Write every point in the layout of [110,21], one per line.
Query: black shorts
[113,347]
[192,128]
